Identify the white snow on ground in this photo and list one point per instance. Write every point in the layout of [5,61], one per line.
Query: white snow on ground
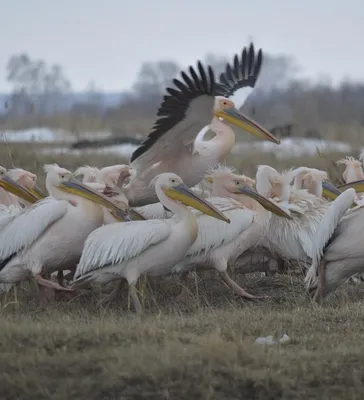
[292,147]
[48,135]
[289,147]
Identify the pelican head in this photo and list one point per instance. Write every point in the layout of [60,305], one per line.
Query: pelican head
[225,109]
[13,187]
[353,171]
[228,184]
[27,180]
[173,187]
[223,179]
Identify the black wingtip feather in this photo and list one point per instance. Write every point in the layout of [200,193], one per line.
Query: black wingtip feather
[175,104]
[242,73]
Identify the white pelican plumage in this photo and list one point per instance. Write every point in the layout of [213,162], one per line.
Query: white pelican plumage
[291,239]
[310,179]
[104,181]
[195,102]
[219,245]
[337,252]
[49,236]
[151,247]
[107,176]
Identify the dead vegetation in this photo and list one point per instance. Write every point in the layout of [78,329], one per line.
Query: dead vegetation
[204,348]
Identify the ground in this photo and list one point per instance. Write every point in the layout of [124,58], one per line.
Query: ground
[200,349]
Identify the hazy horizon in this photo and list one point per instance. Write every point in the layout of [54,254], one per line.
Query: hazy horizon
[107,42]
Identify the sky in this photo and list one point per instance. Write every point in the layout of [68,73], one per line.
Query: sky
[107,41]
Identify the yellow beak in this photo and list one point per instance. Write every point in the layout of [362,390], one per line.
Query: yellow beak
[236,118]
[11,186]
[357,185]
[135,216]
[186,196]
[73,186]
[36,192]
[132,215]
[266,203]
[330,191]
[209,179]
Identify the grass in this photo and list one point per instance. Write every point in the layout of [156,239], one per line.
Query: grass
[204,348]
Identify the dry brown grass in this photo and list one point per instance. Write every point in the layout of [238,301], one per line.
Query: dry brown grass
[202,349]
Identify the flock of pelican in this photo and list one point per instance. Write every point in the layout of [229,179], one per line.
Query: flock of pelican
[177,208]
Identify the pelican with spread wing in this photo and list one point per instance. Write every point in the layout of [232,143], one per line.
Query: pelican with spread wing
[196,101]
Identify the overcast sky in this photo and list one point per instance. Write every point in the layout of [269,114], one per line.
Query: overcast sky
[106,41]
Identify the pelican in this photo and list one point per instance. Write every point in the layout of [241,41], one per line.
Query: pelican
[352,173]
[49,236]
[195,102]
[107,176]
[23,178]
[218,244]
[310,179]
[104,181]
[291,239]
[151,247]
[337,253]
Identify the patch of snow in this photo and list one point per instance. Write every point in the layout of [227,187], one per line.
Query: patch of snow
[49,135]
[292,147]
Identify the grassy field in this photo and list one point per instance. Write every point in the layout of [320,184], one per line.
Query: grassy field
[204,348]
[201,349]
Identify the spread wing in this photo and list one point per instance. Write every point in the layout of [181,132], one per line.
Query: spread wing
[120,242]
[28,225]
[242,73]
[185,110]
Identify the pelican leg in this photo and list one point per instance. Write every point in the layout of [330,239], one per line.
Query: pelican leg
[60,278]
[236,288]
[319,295]
[135,299]
[184,294]
[70,275]
[47,283]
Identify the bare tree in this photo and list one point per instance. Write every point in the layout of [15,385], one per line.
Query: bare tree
[154,77]
[35,83]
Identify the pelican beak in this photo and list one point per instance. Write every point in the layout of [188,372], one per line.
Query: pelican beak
[11,186]
[236,118]
[135,216]
[330,191]
[266,203]
[186,196]
[209,179]
[73,186]
[36,192]
[357,185]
